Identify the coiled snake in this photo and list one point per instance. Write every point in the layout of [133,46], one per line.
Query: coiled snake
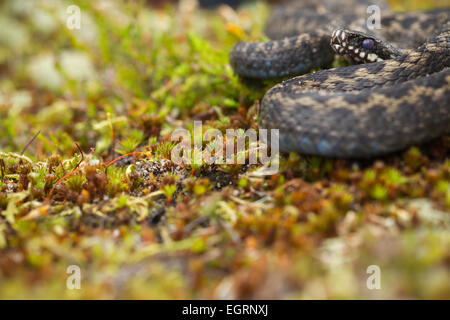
[396,94]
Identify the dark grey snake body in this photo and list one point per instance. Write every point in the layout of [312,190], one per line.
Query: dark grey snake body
[364,110]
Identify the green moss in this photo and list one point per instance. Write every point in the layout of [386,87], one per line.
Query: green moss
[97,188]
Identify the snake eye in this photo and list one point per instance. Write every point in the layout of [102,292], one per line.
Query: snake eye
[368,44]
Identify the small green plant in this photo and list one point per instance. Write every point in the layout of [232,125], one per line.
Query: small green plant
[379,192]
[76,182]
[169,191]
[122,201]
[131,143]
[164,149]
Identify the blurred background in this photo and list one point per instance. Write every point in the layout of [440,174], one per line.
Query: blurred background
[133,72]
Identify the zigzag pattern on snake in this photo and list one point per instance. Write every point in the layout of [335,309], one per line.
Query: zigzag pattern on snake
[398,97]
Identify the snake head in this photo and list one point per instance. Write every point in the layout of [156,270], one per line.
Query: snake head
[357,47]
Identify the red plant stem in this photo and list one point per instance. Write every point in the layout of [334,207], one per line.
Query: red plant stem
[76,169]
[108,164]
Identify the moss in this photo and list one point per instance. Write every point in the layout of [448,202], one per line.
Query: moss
[96,187]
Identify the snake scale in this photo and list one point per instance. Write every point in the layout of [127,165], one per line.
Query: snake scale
[395,94]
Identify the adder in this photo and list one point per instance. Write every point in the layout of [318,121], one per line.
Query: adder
[395,94]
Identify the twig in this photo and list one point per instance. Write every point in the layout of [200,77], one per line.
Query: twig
[30,142]
[62,167]
[113,135]
[3,168]
[108,164]
[82,155]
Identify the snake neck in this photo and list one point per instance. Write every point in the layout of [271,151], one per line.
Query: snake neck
[431,57]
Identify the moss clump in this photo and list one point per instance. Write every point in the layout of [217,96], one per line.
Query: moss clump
[96,186]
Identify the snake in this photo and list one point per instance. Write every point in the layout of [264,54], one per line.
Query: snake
[393,93]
